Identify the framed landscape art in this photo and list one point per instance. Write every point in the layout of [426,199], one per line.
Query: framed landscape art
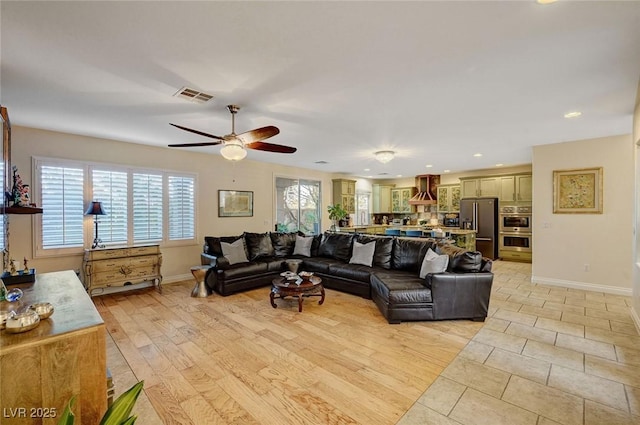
[577,191]
[235,203]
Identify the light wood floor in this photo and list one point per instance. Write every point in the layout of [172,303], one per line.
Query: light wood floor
[236,360]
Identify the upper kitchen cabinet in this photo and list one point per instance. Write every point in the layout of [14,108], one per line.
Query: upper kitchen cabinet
[516,188]
[381,199]
[344,193]
[449,198]
[485,187]
[400,200]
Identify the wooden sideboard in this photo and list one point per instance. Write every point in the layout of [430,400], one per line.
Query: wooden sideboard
[64,356]
[105,268]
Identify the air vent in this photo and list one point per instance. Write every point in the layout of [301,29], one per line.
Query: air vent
[193,95]
[321,162]
[383,174]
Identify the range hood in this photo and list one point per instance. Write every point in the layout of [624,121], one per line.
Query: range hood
[427,185]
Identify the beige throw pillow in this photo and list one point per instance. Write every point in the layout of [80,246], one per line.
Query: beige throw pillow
[363,253]
[303,246]
[433,263]
[234,252]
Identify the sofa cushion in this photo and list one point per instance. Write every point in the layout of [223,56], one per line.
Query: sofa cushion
[384,248]
[234,252]
[303,246]
[213,244]
[409,253]
[283,243]
[336,245]
[400,288]
[360,273]
[433,263]
[318,264]
[363,253]
[461,260]
[258,245]
[237,271]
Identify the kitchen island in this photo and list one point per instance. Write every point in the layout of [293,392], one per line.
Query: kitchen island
[463,238]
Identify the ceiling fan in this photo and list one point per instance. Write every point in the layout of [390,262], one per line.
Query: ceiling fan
[235,144]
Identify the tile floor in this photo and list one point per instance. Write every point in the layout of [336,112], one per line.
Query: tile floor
[545,356]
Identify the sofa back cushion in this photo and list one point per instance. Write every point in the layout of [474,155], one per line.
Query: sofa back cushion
[259,245]
[384,249]
[409,253]
[336,245]
[213,244]
[461,260]
[283,243]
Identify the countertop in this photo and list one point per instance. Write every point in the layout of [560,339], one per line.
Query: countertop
[451,230]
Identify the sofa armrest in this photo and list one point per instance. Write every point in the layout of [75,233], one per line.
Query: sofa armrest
[213,261]
[460,295]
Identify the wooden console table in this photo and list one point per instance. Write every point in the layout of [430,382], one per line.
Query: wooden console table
[64,356]
[105,268]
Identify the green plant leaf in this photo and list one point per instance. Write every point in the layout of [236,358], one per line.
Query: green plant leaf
[130,421]
[118,413]
[67,417]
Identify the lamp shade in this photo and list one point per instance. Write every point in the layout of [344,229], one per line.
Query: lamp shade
[233,151]
[95,208]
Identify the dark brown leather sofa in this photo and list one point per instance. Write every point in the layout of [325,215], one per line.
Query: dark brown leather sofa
[393,282]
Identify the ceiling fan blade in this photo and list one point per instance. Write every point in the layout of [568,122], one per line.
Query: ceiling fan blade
[259,134]
[200,133]
[193,145]
[270,147]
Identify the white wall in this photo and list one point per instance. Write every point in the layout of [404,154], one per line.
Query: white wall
[564,243]
[213,173]
[636,262]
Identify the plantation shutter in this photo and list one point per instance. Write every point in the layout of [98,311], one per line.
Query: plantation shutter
[110,188]
[63,206]
[147,207]
[181,208]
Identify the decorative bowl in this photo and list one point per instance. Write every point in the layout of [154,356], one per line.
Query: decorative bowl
[22,322]
[305,275]
[4,315]
[44,310]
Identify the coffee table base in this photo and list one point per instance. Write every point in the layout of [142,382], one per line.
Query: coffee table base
[315,291]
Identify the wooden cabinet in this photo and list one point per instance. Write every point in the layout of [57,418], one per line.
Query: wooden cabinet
[64,356]
[400,200]
[485,187]
[104,268]
[449,198]
[344,193]
[381,202]
[516,188]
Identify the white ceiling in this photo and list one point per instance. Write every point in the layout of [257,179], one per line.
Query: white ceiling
[434,81]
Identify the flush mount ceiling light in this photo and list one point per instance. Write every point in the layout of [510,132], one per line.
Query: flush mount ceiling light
[233,150]
[385,156]
[572,114]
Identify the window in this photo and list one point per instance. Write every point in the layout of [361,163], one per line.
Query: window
[142,206]
[298,205]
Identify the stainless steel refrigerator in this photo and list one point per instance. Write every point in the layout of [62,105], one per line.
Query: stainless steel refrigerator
[481,215]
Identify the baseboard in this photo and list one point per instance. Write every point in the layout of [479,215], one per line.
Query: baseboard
[636,319]
[582,285]
[178,278]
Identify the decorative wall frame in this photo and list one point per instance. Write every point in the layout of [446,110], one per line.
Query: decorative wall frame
[577,191]
[235,203]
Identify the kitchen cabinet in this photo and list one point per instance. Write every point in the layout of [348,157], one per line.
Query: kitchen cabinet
[449,198]
[400,200]
[485,187]
[344,193]
[516,188]
[381,202]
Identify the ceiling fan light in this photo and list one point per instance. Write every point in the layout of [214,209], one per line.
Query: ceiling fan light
[385,156]
[233,151]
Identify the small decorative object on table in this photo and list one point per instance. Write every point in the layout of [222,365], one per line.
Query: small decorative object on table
[19,277]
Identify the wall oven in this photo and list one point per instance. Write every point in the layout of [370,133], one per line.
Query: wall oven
[516,219]
[520,242]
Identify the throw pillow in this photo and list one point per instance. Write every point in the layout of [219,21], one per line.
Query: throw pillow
[363,253]
[303,246]
[433,263]
[234,252]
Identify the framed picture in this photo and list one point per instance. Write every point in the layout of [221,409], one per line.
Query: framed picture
[577,191]
[235,203]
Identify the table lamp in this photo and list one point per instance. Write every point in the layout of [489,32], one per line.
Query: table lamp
[95,209]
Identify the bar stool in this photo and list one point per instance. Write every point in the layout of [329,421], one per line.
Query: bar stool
[414,233]
[392,232]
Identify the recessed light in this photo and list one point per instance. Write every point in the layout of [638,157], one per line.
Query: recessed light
[398,175]
[477,155]
[572,114]
[499,165]
[428,165]
[367,169]
[369,177]
[446,171]
[545,1]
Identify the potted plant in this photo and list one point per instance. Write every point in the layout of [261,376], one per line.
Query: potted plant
[336,213]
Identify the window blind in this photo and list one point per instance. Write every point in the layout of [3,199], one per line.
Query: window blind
[181,208]
[62,190]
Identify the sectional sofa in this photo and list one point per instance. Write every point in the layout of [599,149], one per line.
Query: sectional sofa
[382,268]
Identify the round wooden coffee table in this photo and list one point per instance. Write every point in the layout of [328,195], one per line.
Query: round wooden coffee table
[288,288]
